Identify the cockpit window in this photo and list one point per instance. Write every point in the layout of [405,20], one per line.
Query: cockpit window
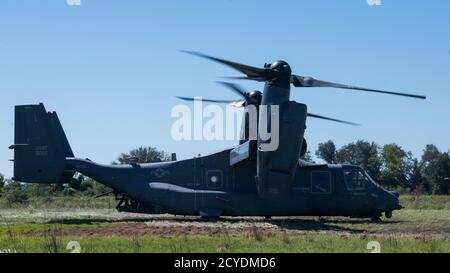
[356,179]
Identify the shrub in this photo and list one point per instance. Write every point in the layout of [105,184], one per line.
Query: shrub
[13,192]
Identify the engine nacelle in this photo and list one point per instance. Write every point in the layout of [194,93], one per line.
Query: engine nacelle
[276,168]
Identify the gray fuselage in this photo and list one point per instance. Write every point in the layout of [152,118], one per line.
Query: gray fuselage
[208,186]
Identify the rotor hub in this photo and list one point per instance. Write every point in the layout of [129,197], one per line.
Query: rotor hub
[281,67]
[256,96]
[281,74]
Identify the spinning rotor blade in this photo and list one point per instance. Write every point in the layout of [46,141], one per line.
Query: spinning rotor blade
[332,119]
[235,88]
[234,103]
[240,91]
[299,81]
[207,100]
[267,74]
[252,73]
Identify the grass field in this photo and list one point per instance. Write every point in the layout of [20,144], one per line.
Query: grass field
[424,226]
[231,244]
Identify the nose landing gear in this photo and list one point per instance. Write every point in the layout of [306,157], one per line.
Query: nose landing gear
[388,214]
[377,218]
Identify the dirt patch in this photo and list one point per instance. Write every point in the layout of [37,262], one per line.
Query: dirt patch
[151,229]
[170,226]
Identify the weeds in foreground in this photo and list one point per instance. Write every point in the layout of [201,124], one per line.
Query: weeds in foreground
[257,233]
[13,242]
[52,242]
[225,244]
[136,244]
[179,246]
[285,237]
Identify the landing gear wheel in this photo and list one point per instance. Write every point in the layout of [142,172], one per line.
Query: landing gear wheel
[388,214]
[376,219]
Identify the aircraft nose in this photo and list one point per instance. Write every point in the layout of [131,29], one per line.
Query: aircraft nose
[394,202]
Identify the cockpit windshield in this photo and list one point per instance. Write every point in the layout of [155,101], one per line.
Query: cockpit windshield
[358,179]
[371,179]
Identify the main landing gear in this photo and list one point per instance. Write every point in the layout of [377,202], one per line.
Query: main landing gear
[388,214]
[376,219]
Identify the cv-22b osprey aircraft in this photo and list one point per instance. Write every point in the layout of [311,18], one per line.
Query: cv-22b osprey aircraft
[244,181]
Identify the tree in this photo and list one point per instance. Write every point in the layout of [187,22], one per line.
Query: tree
[436,169]
[86,186]
[417,183]
[355,153]
[43,191]
[91,187]
[430,167]
[363,154]
[430,154]
[2,183]
[327,152]
[374,162]
[308,157]
[397,165]
[144,155]
[443,182]
[13,192]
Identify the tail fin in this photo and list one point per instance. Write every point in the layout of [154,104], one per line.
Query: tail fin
[41,147]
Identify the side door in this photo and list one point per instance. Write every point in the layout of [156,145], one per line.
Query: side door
[358,194]
[321,197]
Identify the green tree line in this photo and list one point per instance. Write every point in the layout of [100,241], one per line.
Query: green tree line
[393,167]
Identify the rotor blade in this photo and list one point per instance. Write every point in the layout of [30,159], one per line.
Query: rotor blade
[332,119]
[254,73]
[242,77]
[206,100]
[240,91]
[235,88]
[299,81]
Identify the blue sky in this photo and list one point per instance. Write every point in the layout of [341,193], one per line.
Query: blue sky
[111,68]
